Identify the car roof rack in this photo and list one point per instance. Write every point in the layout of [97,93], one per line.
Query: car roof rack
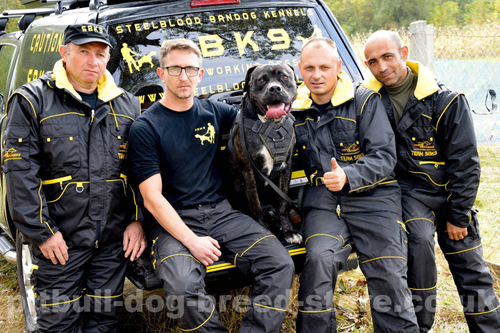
[20,12]
[3,22]
[26,16]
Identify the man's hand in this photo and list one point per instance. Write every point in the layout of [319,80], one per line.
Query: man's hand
[454,232]
[55,249]
[205,249]
[134,241]
[336,179]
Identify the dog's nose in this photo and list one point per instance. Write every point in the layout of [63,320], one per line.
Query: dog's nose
[275,88]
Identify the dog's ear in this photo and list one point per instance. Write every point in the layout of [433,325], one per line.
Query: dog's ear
[293,71]
[247,78]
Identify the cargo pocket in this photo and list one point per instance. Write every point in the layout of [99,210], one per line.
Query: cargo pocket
[61,145]
[473,228]
[16,148]
[55,188]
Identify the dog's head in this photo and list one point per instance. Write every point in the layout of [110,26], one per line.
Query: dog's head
[271,89]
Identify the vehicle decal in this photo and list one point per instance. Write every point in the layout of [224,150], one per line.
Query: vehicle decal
[231,41]
[130,58]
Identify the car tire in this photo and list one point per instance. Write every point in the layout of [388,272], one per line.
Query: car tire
[25,267]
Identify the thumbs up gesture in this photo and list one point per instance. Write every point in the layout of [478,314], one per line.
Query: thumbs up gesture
[336,179]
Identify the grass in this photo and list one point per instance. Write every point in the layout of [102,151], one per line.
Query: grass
[11,315]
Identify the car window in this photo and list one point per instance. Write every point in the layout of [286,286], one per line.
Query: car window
[231,41]
[6,57]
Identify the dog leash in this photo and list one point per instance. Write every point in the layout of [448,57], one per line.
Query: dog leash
[269,181]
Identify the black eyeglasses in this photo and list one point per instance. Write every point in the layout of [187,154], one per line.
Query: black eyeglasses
[176,70]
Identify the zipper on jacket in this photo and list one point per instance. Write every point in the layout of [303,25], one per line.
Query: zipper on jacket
[92,114]
[338,207]
[97,232]
[57,180]
[436,164]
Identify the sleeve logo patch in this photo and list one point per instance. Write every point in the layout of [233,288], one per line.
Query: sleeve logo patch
[11,154]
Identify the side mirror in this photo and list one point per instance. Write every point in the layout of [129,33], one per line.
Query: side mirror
[489,103]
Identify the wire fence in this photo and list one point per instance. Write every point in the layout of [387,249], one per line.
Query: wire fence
[467,59]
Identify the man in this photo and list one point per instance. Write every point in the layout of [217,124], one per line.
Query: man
[438,171]
[347,148]
[67,183]
[192,225]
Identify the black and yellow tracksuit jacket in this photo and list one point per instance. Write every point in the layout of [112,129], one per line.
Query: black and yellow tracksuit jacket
[355,131]
[65,164]
[436,145]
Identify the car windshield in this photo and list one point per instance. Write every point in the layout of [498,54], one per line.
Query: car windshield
[231,41]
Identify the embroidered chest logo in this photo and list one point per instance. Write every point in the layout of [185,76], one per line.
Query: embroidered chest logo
[208,136]
[423,147]
[122,154]
[11,154]
[350,152]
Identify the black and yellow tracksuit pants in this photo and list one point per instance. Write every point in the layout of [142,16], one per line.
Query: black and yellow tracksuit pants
[466,261]
[84,295]
[380,242]
[244,242]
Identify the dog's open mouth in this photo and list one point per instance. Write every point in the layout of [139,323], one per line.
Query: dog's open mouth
[277,110]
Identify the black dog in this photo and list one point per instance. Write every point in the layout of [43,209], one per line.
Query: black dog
[267,128]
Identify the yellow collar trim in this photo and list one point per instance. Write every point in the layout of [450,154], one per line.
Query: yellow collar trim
[426,84]
[344,91]
[106,87]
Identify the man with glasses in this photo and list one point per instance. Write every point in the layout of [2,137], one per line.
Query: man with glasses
[173,148]
[438,171]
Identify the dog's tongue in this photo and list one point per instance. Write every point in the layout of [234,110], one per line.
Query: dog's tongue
[275,110]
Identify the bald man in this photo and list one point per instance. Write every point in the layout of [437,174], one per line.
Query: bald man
[438,171]
[347,148]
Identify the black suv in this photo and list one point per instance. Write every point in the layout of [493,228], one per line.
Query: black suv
[233,35]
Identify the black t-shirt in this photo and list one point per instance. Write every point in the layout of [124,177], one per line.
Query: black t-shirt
[89,98]
[181,146]
[322,107]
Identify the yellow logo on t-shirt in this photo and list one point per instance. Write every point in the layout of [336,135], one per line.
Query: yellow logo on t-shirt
[209,135]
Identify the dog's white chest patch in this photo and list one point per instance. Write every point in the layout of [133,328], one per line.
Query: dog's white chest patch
[268,161]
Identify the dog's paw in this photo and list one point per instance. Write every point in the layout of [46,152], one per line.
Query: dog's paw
[293,238]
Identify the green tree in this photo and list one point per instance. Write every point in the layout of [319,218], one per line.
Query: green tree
[353,15]
[482,11]
[360,16]
[446,13]
[10,4]
[400,13]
